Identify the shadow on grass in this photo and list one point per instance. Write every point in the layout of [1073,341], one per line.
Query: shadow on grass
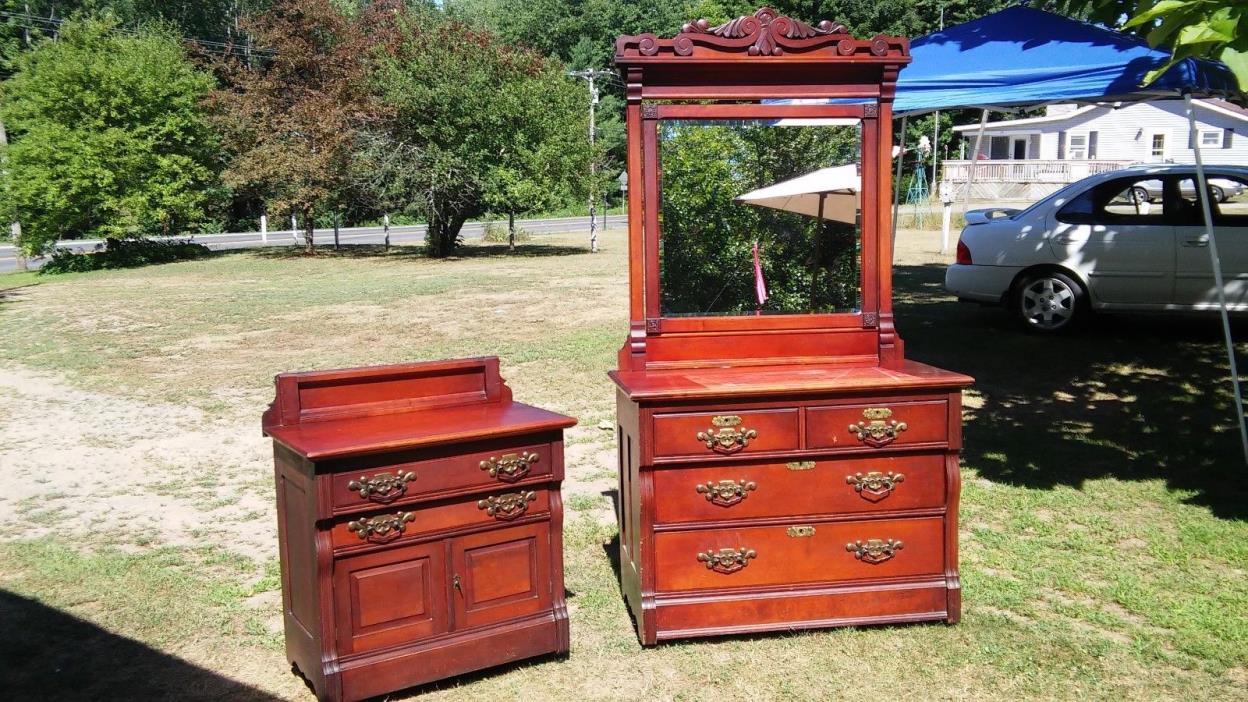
[1129,397]
[369,251]
[51,655]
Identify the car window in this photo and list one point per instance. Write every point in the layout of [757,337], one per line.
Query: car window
[1186,206]
[1138,201]
[1231,192]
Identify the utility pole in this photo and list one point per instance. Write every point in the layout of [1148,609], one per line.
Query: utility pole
[591,75]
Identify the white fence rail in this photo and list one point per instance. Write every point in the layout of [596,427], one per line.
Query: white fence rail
[1028,171]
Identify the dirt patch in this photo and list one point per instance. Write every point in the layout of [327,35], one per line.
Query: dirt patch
[98,467]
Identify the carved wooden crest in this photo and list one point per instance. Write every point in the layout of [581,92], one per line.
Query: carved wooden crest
[763,34]
[765,31]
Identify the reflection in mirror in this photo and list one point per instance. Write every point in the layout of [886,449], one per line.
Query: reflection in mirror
[740,225]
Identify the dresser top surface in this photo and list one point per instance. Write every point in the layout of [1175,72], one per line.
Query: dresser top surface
[395,432]
[768,381]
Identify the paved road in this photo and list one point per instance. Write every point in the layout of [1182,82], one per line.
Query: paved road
[351,235]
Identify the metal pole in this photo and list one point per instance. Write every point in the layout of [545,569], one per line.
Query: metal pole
[901,155]
[15,226]
[936,122]
[1202,188]
[591,75]
[970,167]
[593,161]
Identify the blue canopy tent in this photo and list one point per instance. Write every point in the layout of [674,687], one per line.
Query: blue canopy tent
[1021,57]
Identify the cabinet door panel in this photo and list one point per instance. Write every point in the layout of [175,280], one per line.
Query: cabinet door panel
[501,574]
[390,598]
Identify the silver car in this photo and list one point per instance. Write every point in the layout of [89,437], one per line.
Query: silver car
[1093,246]
[1222,189]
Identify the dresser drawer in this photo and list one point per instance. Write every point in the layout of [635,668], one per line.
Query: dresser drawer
[389,525]
[403,482]
[799,488]
[878,425]
[798,553]
[725,433]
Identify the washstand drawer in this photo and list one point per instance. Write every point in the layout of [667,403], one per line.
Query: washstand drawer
[798,488]
[798,553]
[730,432]
[878,425]
[395,524]
[363,488]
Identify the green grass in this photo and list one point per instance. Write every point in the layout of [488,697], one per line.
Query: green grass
[1104,540]
[20,279]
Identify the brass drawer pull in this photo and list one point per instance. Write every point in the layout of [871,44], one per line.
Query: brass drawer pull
[800,465]
[875,431]
[874,551]
[874,486]
[726,493]
[510,467]
[383,487]
[727,560]
[800,531]
[726,434]
[382,529]
[507,506]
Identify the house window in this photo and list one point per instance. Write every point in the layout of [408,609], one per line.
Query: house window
[1210,139]
[1158,148]
[1077,147]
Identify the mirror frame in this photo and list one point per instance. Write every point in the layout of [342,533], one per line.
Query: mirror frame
[652,205]
[732,68]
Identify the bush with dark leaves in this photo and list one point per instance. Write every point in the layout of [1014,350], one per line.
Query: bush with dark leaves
[123,253]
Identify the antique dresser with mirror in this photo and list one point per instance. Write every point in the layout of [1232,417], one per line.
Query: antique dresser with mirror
[782,465]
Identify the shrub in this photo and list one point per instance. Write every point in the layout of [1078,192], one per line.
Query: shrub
[123,253]
[496,233]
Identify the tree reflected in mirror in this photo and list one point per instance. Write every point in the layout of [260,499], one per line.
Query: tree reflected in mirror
[708,235]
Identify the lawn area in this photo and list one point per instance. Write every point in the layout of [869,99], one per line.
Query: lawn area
[1104,525]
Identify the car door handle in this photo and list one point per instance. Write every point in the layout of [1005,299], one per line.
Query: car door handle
[1196,243]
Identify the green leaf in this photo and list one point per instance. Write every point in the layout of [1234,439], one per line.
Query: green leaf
[1202,33]
[1161,8]
[1236,59]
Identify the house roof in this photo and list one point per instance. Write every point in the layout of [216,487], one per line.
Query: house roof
[1220,106]
[1011,123]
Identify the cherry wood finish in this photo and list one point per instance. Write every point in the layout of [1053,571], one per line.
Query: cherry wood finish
[419,524]
[777,472]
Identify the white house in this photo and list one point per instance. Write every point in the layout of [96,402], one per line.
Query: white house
[1027,159]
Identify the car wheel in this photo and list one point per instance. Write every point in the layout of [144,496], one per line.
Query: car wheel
[1049,302]
[1139,195]
[1219,195]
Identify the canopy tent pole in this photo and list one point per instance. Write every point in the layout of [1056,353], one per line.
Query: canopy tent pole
[901,154]
[970,167]
[1202,189]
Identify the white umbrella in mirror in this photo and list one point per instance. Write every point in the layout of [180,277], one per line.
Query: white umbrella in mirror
[828,193]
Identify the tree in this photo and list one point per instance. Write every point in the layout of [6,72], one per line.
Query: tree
[292,123]
[108,136]
[474,123]
[1213,29]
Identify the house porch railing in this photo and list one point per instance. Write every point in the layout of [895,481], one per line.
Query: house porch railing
[1028,171]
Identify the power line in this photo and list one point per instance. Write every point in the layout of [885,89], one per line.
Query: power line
[207,45]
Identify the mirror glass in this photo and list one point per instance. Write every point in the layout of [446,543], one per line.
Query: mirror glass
[740,226]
